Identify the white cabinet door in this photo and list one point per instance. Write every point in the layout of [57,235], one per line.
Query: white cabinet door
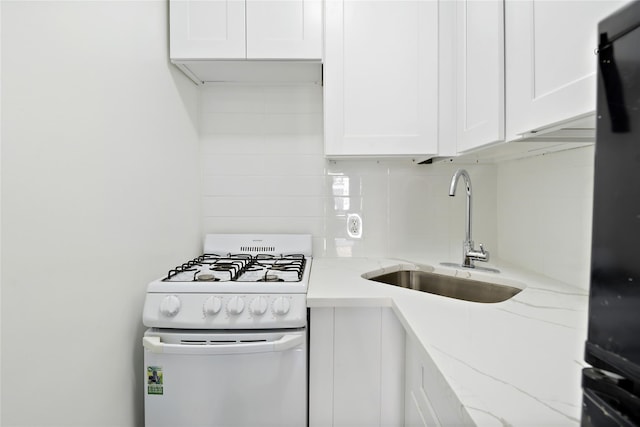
[479,73]
[356,372]
[284,29]
[381,77]
[251,29]
[356,376]
[550,61]
[429,400]
[418,409]
[206,29]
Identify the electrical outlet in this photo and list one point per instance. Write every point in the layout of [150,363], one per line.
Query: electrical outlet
[354,226]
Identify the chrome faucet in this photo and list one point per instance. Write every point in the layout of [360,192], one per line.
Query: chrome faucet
[469,252]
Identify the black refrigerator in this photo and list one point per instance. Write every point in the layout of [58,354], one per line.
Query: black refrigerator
[611,386]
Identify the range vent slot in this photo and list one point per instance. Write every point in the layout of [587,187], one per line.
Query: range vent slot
[193,342]
[257,248]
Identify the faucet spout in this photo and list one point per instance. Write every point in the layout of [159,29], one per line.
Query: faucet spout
[469,252]
[452,192]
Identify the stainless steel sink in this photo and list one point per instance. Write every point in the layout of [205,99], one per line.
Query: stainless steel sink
[447,286]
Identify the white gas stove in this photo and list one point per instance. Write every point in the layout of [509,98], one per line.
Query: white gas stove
[227,332]
[240,282]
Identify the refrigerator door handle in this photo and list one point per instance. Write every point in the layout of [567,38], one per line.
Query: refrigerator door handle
[608,361]
[602,389]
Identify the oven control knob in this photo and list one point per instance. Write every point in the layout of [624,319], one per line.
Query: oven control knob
[281,306]
[170,305]
[235,305]
[258,306]
[212,306]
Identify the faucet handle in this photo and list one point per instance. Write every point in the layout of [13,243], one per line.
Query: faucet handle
[479,255]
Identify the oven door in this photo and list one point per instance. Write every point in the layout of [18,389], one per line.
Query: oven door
[248,378]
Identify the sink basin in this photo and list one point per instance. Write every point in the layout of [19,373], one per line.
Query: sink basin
[447,286]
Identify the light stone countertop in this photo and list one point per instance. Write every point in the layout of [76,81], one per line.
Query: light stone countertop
[514,363]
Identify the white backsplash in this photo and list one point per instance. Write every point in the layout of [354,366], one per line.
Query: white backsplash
[263,168]
[544,212]
[264,171]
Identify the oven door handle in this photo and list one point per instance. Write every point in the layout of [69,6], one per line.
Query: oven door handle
[286,342]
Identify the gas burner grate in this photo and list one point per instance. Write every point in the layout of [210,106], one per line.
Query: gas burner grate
[210,267]
[240,267]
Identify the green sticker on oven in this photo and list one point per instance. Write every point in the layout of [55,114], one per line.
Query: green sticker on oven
[154,380]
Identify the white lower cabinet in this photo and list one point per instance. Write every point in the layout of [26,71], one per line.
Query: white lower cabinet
[418,411]
[356,373]
[365,370]
[429,400]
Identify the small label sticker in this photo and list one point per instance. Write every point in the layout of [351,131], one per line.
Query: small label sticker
[154,380]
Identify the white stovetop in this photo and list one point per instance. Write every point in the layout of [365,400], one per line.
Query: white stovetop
[514,363]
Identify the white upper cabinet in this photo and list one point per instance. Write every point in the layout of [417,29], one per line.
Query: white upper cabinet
[479,73]
[381,78]
[207,29]
[251,29]
[550,61]
[284,29]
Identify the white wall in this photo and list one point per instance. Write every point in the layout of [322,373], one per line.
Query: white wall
[0,213]
[264,171]
[100,195]
[262,158]
[544,214]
